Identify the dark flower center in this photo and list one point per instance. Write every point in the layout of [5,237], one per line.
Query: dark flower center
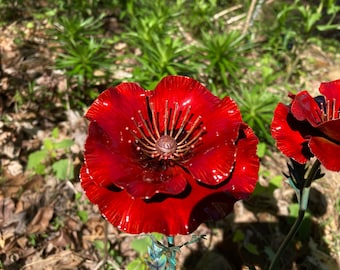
[181,132]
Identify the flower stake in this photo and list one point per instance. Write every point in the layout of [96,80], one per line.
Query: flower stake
[167,160]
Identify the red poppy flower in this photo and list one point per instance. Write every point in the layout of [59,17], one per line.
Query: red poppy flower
[310,126]
[167,160]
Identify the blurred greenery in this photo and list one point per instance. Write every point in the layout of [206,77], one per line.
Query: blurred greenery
[207,40]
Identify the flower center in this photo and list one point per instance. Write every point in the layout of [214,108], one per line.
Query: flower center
[329,110]
[172,136]
[166,145]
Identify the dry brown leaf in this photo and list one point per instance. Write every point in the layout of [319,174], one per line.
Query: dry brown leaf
[7,211]
[63,240]
[35,183]
[41,220]
[13,184]
[63,260]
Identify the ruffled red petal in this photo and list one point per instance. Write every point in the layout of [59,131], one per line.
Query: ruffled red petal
[214,158]
[245,173]
[180,214]
[327,152]
[331,129]
[214,165]
[150,181]
[222,124]
[170,216]
[331,90]
[113,109]
[286,130]
[186,92]
[304,107]
[125,171]
[183,213]
[104,163]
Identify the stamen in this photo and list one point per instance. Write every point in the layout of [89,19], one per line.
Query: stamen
[184,122]
[322,112]
[138,140]
[146,125]
[141,131]
[328,112]
[154,121]
[196,138]
[188,146]
[173,122]
[174,143]
[193,127]
[166,116]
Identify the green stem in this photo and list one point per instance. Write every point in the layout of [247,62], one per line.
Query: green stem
[304,197]
[290,235]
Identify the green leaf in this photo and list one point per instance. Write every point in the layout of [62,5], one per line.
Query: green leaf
[158,236]
[35,159]
[328,27]
[141,245]
[40,169]
[99,244]
[66,143]
[137,264]
[276,181]
[63,169]
[83,215]
[294,210]
[55,133]
[273,184]
[251,248]
[238,236]
[270,253]
[261,149]
[48,144]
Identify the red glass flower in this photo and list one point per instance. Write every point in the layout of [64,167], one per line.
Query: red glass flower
[167,160]
[310,126]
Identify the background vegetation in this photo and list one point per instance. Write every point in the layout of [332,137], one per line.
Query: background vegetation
[57,56]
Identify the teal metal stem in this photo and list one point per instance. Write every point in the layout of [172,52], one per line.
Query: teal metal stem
[172,258]
[303,202]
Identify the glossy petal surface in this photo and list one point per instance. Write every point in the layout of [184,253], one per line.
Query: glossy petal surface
[104,163]
[287,132]
[150,181]
[167,215]
[140,188]
[331,129]
[245,173]
[113,110]
[331,90]
[310,126]
[214,159]
[189,92]
[304,107]
[327,152]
